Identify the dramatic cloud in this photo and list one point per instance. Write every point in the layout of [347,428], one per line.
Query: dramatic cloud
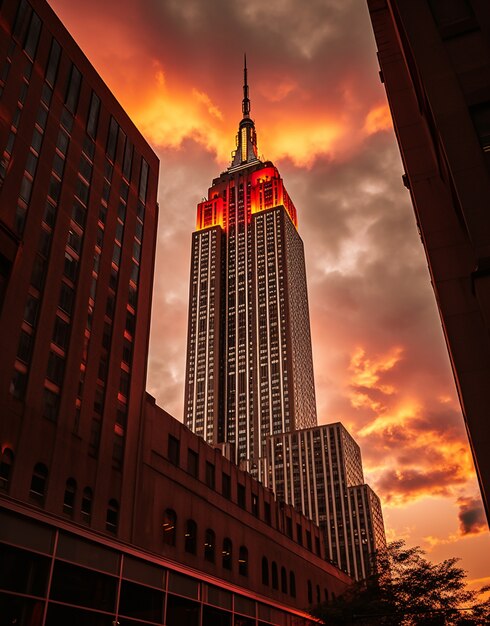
[381,366]
[471,516]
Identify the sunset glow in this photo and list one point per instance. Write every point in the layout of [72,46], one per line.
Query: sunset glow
[381,365]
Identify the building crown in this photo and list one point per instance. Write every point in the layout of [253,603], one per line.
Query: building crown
[246,140]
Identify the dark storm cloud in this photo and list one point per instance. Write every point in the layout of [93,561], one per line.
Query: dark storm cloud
[471,516]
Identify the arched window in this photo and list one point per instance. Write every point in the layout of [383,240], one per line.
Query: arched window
[169,527]
[209,544]
[112,517]
[190,536]
[227,553]
[318,596]
[325,594]
[310,593]
[6,462]
[243,561]
[86,506]
[69,498]
[284,580]
[38,482]
[292,584]
[275,577]
[265,571]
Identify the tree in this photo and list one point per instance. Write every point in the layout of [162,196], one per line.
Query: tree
[408,590]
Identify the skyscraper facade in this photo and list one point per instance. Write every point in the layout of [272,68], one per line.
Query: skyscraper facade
[78,187]
[249,367]
[435,58]
[319,471]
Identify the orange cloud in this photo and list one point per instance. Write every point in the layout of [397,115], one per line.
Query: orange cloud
[378,119]
[366,372]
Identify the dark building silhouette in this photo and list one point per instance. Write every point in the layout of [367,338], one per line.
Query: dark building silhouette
[249,362]
[435,64]
[111,511]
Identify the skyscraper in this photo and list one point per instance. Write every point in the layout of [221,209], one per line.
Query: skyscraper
[435,59]
[249,376]
[78,215]
[319,471]
[249,367]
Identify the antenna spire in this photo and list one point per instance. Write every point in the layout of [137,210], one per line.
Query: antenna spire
[246,101]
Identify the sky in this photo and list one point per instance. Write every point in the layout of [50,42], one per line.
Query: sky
[381,365]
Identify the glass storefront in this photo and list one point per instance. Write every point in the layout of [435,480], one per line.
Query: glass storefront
[50,577]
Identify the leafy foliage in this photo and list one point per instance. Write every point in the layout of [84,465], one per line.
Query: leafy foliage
[408,590]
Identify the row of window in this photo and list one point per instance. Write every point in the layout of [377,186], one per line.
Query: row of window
[169,527]
[38,486]
[270,575]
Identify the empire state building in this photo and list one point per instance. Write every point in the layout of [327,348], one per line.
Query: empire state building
[249,371]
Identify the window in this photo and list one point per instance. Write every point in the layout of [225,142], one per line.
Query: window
[243,561]
[299,535]
[193,463]
[31,309]
[32,37]
[50,405]
[112,139]
[69,498]
[318,596]
[38,483]
[67,296]
[128,159]
[210,474]
[61,333]
[480,114]
[265,571]
[173,450]
[226,485]
[255,504]
[73,89]
[289,527]
[310,593]
[292,584]
[53,61]
[227,553]
[190,536]
[169,527]
[25,347]
[143,180]
[86,506]
[275,577]
[284,580]
[267,512]
[448,12]
[6,462]
[241,496]
[56,365]
[70,267]
[93,115]
[209,545]
[112,516]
